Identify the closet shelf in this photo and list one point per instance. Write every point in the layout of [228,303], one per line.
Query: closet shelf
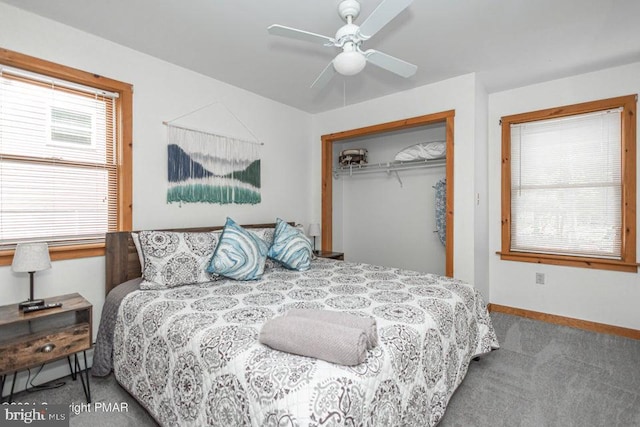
[388,167]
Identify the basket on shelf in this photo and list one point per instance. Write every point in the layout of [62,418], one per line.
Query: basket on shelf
[353,156]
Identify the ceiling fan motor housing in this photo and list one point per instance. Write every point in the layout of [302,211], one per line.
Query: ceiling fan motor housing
[347,33]
[348,8]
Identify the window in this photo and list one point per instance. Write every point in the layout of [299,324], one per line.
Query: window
[65,157]
[569,185]
[77,125]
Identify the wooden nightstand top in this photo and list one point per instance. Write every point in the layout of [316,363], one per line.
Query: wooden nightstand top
[70,302]
[329,254]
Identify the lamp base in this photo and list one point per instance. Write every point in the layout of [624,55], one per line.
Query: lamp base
[30,303]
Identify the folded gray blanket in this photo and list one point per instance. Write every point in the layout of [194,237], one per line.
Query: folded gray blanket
[313,338]
[367,324]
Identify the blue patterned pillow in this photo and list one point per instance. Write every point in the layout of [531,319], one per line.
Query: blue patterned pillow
[291,247]
[240,254]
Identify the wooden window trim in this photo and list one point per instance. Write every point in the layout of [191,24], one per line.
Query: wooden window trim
[628,163]
[124,109]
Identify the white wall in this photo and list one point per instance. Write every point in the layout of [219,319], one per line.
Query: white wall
[457,94]
[162,92]
[382,222]
[594,295]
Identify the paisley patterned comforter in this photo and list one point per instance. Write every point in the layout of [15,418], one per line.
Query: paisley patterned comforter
[191,355]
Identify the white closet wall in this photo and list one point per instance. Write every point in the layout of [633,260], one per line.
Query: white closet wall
[377,221]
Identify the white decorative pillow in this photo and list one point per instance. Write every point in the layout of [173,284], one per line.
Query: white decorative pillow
[136,242]
[176,258]
[266,234]
[423,151]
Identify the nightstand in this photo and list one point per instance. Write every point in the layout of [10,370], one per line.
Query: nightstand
[39,337]
[329,254]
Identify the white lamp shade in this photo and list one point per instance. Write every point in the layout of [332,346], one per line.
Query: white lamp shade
[349,63]
[31,257]
[314,230]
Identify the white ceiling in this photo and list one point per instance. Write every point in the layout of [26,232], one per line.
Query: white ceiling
[509,43]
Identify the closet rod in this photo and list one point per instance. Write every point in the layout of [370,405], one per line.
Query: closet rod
[387,167]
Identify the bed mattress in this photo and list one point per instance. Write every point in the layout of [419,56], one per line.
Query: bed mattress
[191,355]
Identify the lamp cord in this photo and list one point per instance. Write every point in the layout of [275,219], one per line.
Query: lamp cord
[39,387]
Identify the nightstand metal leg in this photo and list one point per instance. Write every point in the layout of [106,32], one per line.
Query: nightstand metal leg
[3,380]
[4,377]
[73,372]
[86,372]
[13,385]
[85,385]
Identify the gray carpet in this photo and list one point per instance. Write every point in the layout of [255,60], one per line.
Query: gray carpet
[543,375]
[548,375]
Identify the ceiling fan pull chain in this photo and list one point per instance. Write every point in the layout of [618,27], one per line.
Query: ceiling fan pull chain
[344,93]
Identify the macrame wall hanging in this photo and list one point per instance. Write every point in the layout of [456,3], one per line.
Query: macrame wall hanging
[204,167]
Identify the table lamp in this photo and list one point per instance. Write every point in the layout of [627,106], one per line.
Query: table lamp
[314,231]
[29,258]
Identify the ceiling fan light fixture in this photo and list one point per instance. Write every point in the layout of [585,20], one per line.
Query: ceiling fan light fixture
[349,63]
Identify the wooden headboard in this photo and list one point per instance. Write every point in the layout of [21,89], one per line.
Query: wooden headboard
[121,257]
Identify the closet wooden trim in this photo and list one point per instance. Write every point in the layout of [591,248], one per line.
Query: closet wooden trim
[449,174]
[327,141]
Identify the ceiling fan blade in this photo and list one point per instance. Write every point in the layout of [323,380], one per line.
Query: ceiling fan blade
[390,63]
[281,30]
[381,16]
[324,77]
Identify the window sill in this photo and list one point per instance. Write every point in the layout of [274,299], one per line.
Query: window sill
[62,252]
[570,261]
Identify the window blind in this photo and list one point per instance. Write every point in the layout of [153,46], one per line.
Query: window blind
[566,186]
[58,171]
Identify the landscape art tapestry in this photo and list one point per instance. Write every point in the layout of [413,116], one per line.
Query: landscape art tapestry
[209,168]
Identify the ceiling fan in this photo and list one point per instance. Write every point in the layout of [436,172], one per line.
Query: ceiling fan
[349,38]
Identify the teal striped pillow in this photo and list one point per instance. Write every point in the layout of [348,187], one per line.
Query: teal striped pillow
[290,247]
[240,254]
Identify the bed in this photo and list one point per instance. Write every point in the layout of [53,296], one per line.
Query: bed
[190,355]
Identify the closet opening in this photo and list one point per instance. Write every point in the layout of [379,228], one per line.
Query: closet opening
[385,139]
